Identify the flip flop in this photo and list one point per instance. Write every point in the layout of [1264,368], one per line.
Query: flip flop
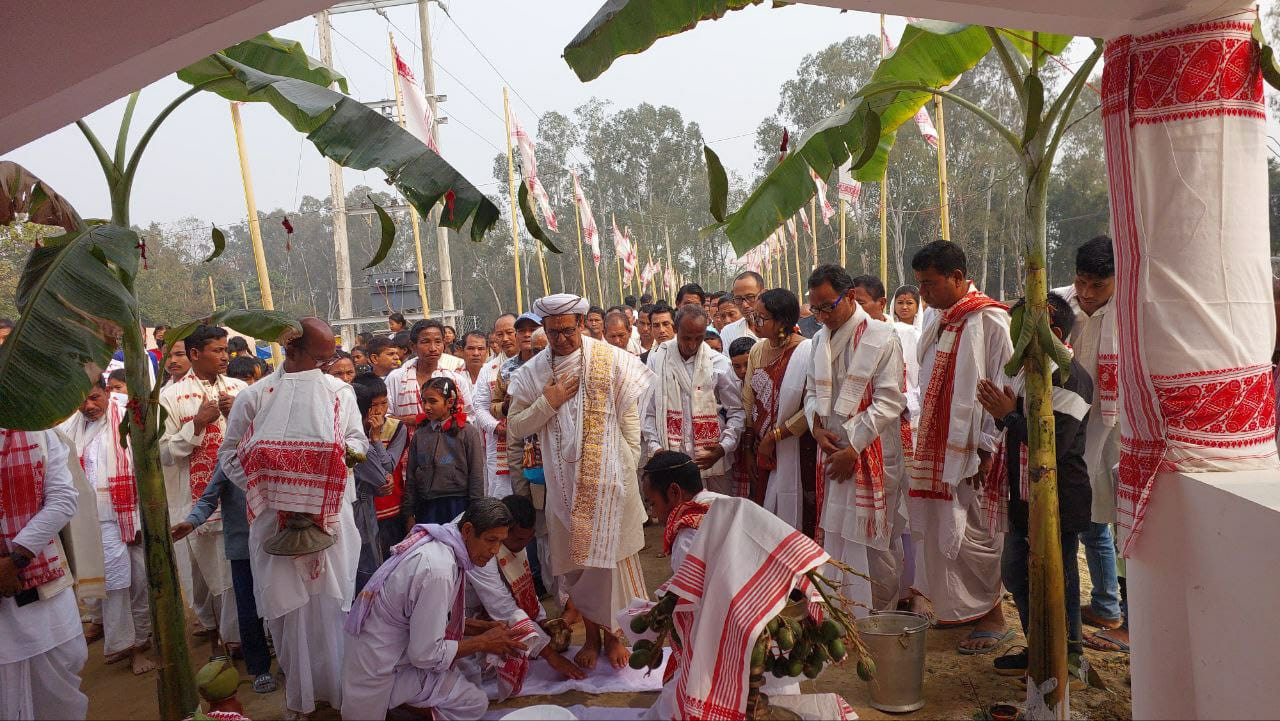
[1091,641]
[999,636]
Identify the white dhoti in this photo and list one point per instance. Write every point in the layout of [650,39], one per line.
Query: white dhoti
[599,593]
[126,610]
[967,586]
[46,686]
[782,493]
[309,643]
[887,566]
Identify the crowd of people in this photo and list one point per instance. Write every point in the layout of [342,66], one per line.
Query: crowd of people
[389,519]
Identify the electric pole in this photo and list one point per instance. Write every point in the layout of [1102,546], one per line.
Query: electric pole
[338,197]
[429,85]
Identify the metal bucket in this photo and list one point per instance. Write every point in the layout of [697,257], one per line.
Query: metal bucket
[896,641]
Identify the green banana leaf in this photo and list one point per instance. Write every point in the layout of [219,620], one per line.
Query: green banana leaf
[356,136]
[1049,42]
[269,54]
[74,299]
[387,228]
[219,239]
[269,325]
[531,219]
[627,27]
[930,53]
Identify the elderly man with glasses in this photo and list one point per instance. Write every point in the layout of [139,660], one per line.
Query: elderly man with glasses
[747,287]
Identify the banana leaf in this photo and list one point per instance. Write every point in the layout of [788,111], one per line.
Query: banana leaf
[626,27]
[270,325]
[268,54]
[356,136]
[74,299]
[23,193]
[387,228]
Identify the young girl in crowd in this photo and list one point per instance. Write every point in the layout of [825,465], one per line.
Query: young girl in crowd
[446,464]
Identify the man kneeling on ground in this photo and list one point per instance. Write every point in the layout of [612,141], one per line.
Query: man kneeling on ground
[407,627]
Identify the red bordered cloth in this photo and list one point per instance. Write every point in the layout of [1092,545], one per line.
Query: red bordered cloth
[21,498]
[743,565]
[122,485]
[518,574]
[930,453]
[688,514]
[1184,124]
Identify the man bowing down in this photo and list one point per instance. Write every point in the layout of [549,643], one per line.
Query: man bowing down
[286,444]
[580,397]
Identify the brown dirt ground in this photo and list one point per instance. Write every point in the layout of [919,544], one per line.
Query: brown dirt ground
[955,686]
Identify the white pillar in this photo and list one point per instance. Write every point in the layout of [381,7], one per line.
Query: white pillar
[429,86]
[338,198]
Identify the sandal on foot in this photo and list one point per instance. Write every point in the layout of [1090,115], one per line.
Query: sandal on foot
[1012,662]
[264,683]
[999,636]
[1100,641]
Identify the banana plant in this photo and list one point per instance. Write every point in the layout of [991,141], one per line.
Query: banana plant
[78,300]
[929,58]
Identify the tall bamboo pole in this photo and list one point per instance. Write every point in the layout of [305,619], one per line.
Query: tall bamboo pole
[786,263]
[617,257]
[245,293]
[813,225]
[213,298]
[542,266]
[796,249]
[666,236]
[944,202]
[413,212]
[582,268]
[843,249]
[255,232]
[511,187]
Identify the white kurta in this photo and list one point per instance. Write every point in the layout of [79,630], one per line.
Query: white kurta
[487,591]
[733,331]
[782,495]
[43,648]
[957,551]
[401,655]
[1101,435]
[208,585]
[304,614]
[725,394]
[404,394]
[497,485]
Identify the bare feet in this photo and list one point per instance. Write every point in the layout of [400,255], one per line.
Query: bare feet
[921,605]
[618,653]
[92,632]
[991,623]
[571,614]
[1112,641]
[140,661]
[586,657]
[564,667]
[118,657]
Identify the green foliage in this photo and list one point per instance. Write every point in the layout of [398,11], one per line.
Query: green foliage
[75,298]
[268,325]
[25,197]
[276,56]
[531,219]
[219,240]
[387,226]
[718,182]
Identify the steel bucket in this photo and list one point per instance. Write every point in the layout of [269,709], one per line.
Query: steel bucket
[896,642]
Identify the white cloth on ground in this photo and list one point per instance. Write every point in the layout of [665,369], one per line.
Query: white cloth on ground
[604,678]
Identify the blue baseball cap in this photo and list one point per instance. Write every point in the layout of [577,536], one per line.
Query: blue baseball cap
[533,317]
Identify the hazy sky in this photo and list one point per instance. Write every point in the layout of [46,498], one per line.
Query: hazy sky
[725,76]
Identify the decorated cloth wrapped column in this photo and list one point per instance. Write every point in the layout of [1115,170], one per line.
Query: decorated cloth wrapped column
[1185,129]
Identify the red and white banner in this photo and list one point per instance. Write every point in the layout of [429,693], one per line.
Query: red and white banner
[529,171]
[590,234]
[418,118]
[626,254]
[791,228]
[804,222]
[823,203]
[848,189]
[1185,128]
[922,119]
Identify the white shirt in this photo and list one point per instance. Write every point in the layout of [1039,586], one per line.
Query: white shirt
[41,626]
[486,590]
[728,392]
[733,331]
[404,395]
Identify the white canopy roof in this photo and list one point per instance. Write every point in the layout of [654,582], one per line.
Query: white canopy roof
[63,59]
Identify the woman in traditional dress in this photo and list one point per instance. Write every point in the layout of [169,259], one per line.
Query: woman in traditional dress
[786,454]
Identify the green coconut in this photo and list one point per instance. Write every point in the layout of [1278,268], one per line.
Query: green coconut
[217,680]
[830,630]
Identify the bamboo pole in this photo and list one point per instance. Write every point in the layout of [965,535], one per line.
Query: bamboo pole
[796,249]
[413,212]
[599,287]
[843,249]
[542,266]
[244,292]
[255,231]
[786,263]
[884,195]
[582,268]
[213,298]
[813,225]
[511,188]
[666,236]
[943,202]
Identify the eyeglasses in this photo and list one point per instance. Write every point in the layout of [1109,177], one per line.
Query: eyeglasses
[740,299]
[830,307]
[561,332]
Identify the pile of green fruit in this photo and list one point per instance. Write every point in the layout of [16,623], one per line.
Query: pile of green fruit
[790,647]
[646,653]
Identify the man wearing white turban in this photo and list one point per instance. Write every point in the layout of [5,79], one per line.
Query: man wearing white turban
[581,398]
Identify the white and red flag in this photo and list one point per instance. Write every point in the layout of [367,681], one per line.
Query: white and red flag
[804,222]
[848,189]
[418,118]
[529,171]
[622,246]
[791,228]
[922,119]
[823,204]
[650,270]
[590,234]
[670,279]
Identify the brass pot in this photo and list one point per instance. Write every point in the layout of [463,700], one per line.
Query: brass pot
[299,537]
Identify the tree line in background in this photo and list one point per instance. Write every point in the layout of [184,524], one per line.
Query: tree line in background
[643,166]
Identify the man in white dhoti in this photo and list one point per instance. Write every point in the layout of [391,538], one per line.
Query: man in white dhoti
[695,403]
[854,401]
[497,476]
[404,384]
[747,287]
[126,610]
[407,628]
[581,398]
[43,646]
[196,406]
[957,546]
[503,590]
[1093,341]
[286,445]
